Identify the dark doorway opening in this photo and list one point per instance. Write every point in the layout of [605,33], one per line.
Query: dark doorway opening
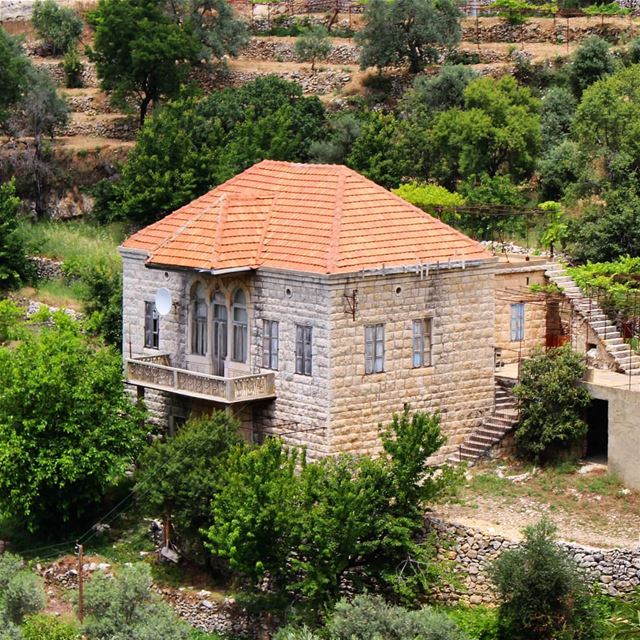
[598,434]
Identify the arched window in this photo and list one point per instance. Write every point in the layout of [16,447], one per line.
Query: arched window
[199,313]
[240,326]
[219,333]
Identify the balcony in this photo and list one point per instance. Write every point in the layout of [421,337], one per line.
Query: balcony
[155,372]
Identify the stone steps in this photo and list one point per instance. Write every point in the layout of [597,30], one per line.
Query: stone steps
[607,333]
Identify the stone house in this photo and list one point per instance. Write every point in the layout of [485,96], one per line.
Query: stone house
[312,304]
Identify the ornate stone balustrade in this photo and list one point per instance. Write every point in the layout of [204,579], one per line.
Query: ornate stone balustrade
[154,372]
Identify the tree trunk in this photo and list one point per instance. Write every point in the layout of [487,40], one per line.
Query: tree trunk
[144,106]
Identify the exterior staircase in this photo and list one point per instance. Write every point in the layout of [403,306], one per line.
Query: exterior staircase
[625,360]
[493,428]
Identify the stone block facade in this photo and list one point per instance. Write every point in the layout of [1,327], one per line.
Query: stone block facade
[338,407]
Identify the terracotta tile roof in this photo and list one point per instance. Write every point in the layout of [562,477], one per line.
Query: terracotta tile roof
[303,217]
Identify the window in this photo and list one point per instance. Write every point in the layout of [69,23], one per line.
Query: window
[422,341]
[517,322]
[151,326]
[303,350]
[270,344]
[198,320]
[240,327]
[374,348]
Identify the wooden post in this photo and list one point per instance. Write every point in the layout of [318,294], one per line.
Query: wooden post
[80,583]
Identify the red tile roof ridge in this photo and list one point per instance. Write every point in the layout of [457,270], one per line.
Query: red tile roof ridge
[334,245]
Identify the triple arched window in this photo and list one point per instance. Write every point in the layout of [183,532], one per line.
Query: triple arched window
[222,332]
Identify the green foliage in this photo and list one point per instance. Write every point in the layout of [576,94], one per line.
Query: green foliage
[125,608]
[617,284]
[609,229]
[624,621]
[543,595]
[103,301]
[10,315]
[414,31]
[60,28]
[513,11]
[556,227]
[73,67]
[431,94]
[47,627]
[369,617]
[194,144]
[342,131]
[14,74]
[551,403]
[15,266]
[498,131]
[556,120]
[67,429]
[590,63]
[313,44]
[479,623]
[634,51]
[340,519]
[380,152]
[559,168]
[140,52]
[429,197]
[21,591]
[181,475]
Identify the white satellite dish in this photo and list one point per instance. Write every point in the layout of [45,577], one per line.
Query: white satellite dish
[163,301]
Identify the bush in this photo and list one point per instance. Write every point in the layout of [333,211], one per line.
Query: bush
[369,617]
[591,62]
[551,403]
[15,266]
[624,621]
[103,300]
[634,51]
[479,623]
[543,595]
[59,27]
[10,316]
[73,68]
[21,592]
[125,607]
[46,627]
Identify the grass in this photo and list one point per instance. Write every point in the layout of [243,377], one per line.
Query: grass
[57,293]
[74,242]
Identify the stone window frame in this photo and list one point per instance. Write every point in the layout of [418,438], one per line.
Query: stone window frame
[517,319]
[151,326]
[304,350]
[199,325]
[270,344]
[374,348]
[422,342]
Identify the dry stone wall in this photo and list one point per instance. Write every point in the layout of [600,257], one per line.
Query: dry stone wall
[284,51]
[616,571]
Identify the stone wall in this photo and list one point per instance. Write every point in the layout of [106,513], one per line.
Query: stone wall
[460,380]
[616,571]
[284,51]
[512,286]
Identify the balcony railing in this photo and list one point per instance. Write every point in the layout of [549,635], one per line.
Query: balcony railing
[155,372]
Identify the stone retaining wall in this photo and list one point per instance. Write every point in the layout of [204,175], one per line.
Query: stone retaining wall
[284,51]
[616,571]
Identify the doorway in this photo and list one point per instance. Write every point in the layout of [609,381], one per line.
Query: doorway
[598,434]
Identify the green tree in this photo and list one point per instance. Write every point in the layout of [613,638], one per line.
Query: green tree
[125,608]
[590,63]
[67,429]
[560,169]
[195,143]
[21,591]
[313,44]
[556,120]
[179,477]
[103,300]
[343,130]
[429,197]
[551,403]
[140,53]
[15,267]
[413,31]
[48,627]
[345,519]
[60,28]
[543,595]
[14,74]
[498,131]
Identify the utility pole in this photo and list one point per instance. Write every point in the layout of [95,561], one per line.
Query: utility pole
[80,552]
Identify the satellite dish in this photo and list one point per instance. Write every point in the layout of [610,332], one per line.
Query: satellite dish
[163,301]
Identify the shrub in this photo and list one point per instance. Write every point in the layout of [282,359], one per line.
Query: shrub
[634,51]
[369,617]
[21,592]
[73,67]
[543,595]
[59,27]
[479,623]
[14,263]
[10,316]
[624,621]
[591,62]
[125,607]
[313,44]
[46,627]
[551,403]
[103,300]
